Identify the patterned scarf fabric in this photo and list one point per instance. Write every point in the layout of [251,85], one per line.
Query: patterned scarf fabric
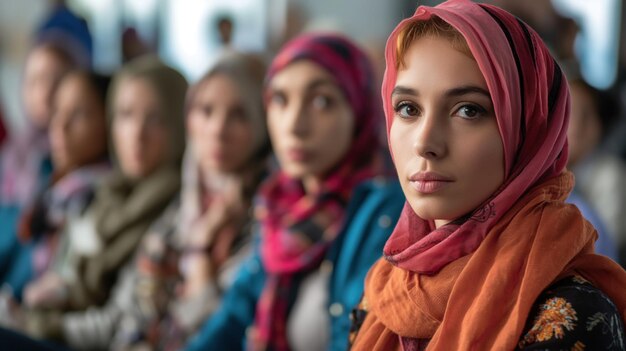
[298,228]
[70,194]
[22,167]
[49,211]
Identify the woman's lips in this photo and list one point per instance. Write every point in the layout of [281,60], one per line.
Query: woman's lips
[219,155]
[428,182]
[298,155]
[428,187]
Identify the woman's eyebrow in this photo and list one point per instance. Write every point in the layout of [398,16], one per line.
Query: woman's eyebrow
[319,82]
[468,89]
[308,87]
[458,91]
[400,90]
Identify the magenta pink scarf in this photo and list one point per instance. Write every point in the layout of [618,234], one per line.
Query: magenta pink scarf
[22,170]
[531,102]
[298,228]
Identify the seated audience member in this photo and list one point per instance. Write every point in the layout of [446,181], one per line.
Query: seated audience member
[78,138]
[322,217]
[605,245]
[146,109]
[25,164]
[188,258]
[599,173]
[62,42]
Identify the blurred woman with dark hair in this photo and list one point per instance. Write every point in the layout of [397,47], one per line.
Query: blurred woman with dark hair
[146,102]
[189,256]
[78,134]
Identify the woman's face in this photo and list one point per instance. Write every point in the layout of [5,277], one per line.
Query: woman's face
[444,137]
[43,72]
[78,124]
[310,121]
[219,130]
[139,129]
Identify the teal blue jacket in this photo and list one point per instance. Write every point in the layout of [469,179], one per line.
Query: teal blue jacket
[16,258]
[371,216]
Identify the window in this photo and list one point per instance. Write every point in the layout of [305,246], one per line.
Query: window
[597,45]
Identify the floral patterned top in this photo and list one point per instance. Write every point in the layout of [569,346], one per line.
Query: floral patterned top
[571,315]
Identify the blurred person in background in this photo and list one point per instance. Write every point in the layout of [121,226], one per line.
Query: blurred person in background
[605,245]
[78,138]
[188,258]
[599,173]
[25,165]
[61,43]
[132,45]
[322,217]
[68,31]
[225,162]
[146,108]
[225,28]
[557,31]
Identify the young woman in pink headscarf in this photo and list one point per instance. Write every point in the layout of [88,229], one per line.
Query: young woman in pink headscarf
[486,254]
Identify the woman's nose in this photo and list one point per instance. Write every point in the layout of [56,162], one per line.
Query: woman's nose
[430,137]
[297,119]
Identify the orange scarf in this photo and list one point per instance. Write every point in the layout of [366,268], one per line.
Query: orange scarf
[482,300]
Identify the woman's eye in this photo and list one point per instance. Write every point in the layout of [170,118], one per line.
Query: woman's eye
[471,112]
[321,102]
[237,115]
[126,117]
[205,110]
[154,119]
[278,99]
[406,110]
[123,114]
[78,115]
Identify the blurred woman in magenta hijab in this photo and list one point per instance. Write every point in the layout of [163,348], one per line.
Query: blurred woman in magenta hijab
[322,218]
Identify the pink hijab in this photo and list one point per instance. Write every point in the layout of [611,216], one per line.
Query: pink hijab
[531,102]
[299,228]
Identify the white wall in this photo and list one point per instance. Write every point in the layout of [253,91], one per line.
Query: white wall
[363,20]
[17,21]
